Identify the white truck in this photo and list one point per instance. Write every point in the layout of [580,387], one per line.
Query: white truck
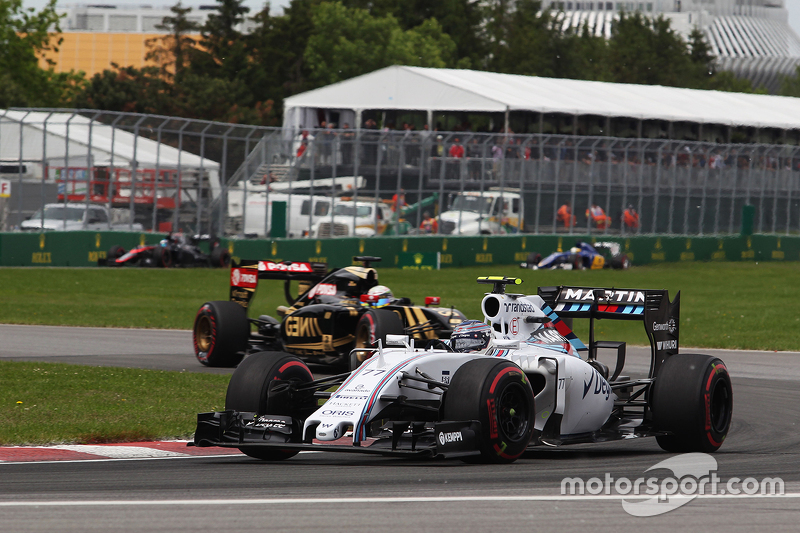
[78,217]
[491,212]
[359,218]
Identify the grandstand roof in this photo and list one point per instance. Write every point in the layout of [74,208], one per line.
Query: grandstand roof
[416,88]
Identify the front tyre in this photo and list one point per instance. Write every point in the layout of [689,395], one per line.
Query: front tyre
[693,399]
[252,388]
[497,394]
[220,334]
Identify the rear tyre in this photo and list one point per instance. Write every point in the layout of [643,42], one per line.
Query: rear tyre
[374,325]
[534,258]
[497,394]
[621,262]
[220,334]
[249,391]
[220,257]
[162,257]
[693,399]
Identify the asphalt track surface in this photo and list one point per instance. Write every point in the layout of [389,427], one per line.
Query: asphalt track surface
[343,492]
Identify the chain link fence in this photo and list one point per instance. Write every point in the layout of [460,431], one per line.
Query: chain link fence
[171,174]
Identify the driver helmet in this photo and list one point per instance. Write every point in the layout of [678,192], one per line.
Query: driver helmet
[471,336]
[575,249]
[164,243]
[382,294]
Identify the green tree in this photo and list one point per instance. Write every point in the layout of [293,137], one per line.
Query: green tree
[173,51]
[460,19]
[24,36]
[128,89]
[347,42]
[647,51]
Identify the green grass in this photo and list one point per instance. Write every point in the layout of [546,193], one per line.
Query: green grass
[51,402]
[723,305]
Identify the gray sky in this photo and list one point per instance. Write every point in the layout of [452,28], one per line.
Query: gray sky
[793,6]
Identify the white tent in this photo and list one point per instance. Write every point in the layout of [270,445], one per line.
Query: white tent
[56,137]
[432,90]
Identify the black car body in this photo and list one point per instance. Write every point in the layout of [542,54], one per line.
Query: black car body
[174,251]
[332,315]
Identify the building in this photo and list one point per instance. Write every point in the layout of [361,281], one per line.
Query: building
[95,36]
[750,38]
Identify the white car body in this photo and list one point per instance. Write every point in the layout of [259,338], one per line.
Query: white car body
[572,388]
[75,217]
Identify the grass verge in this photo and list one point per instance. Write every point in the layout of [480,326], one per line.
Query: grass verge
[53,403]
[723,305]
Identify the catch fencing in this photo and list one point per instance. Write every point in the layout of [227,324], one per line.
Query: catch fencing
[203,177]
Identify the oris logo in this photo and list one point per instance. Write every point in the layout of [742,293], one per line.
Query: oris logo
[243,278]
[670,326]
[453,436]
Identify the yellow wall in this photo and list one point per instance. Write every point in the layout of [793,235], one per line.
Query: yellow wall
[93,52]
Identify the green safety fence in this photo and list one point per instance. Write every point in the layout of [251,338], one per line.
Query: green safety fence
[84,248]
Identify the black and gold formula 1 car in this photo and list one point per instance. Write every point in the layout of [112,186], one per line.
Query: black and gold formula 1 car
[335,311]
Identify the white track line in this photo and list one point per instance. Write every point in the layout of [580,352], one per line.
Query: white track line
[420,499]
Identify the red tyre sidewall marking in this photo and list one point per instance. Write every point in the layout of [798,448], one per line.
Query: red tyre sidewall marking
[282,369]
[716,369]
[372,339]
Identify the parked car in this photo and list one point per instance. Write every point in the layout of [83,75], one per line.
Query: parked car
[75,217]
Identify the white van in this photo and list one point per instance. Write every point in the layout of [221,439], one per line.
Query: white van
[302,212]
[491,212]
[360,218]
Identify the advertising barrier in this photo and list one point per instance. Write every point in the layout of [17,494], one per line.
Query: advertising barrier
[84,248]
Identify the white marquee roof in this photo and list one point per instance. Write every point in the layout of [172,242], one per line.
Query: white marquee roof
[69,134]
[416,88]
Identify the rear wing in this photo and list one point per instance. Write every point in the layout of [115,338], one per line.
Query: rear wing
[246,273]
[661,317]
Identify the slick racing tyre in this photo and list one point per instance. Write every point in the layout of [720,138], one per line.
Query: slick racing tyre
[115,252]
[497,394]
[374,325]
[220,334]
[693,399]
[162,257]
[252,388]
[220,257]
[621,262]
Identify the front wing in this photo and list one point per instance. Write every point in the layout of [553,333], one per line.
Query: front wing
[232,429]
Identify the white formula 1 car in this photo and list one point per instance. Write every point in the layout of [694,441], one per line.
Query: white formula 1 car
[527,386]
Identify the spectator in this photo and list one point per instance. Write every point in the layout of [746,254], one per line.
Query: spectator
[399,200]
[630,218]
[429,224]
[598,217]
[565,215]
[348,138]
[456,149]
